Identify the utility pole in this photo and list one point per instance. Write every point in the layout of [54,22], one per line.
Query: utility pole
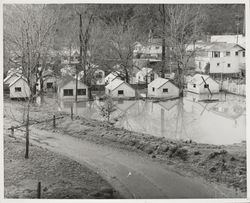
[163,42]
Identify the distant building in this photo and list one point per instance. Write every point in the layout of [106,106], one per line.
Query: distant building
[100,76]
[19,88]
[146,75]
[67,89]
[219,57]
[119,89]
[162,87]
[197,84]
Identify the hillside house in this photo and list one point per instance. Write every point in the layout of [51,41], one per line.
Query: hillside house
[162,87]
[146,75]
[201,84]
[119,89]
[220,58]
[67,89]
[19,88]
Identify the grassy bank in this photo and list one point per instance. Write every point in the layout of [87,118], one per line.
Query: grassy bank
[60,177]
[220,164]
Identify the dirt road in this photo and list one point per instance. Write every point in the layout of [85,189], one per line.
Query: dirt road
[132,175]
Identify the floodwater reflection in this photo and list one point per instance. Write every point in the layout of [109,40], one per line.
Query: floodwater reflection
[218,122]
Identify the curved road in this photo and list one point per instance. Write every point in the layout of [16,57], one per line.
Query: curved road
[132,175]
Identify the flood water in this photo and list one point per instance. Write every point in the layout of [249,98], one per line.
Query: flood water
[220,122]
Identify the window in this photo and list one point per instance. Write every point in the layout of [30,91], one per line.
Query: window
[153,89]
[165,90]
[157,47]
[243,54]
[81,91]
[218,64]
[206,86]
[120,92]
[68,92]
[109,91]
[228,53]
[194,85]
[216,54]
[228,65]
[236,53]
[49,85]
[18,89]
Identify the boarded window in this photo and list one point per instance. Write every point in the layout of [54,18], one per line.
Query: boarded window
[206,86]
[153,89]
[81,91]
[194,85]
[18,89]
[49,85]
[165,90]
[120,92]
[68,92]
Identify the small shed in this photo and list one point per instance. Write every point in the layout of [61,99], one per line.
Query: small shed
[67,89]
[201,84]
[119,89]
[162,87]
[19,88]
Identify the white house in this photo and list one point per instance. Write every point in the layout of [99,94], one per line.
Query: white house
[197,84]
[236,39]
[119,89]
[162,87]
[145,75]
[19,88]
[219,57]
[67,89]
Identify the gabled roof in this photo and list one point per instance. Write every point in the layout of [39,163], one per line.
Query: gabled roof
[197,78]
[21,77]
[146,71]
[114,84]
[158,82]
[11,75]
[222,46]
[65,80]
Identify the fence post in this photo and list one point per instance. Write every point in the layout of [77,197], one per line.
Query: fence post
[54,121]
[71,112]
[12,131]
[39,190]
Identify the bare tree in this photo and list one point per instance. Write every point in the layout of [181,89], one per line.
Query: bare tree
[28,31]
[107,108]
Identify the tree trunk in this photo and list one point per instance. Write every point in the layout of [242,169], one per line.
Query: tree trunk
[27,131]
[163,56]
[180,80]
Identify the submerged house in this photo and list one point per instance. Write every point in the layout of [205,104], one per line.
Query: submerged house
[10,78]
[119,89]
[19,88]
[111,76]
[67,89]
[201,84]
[162,87]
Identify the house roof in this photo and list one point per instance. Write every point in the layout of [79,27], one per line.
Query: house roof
[11,75]
[158,82]
[197,78]
[65,80]
[114,84]
[222,46]
[146,71]
[21,77]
